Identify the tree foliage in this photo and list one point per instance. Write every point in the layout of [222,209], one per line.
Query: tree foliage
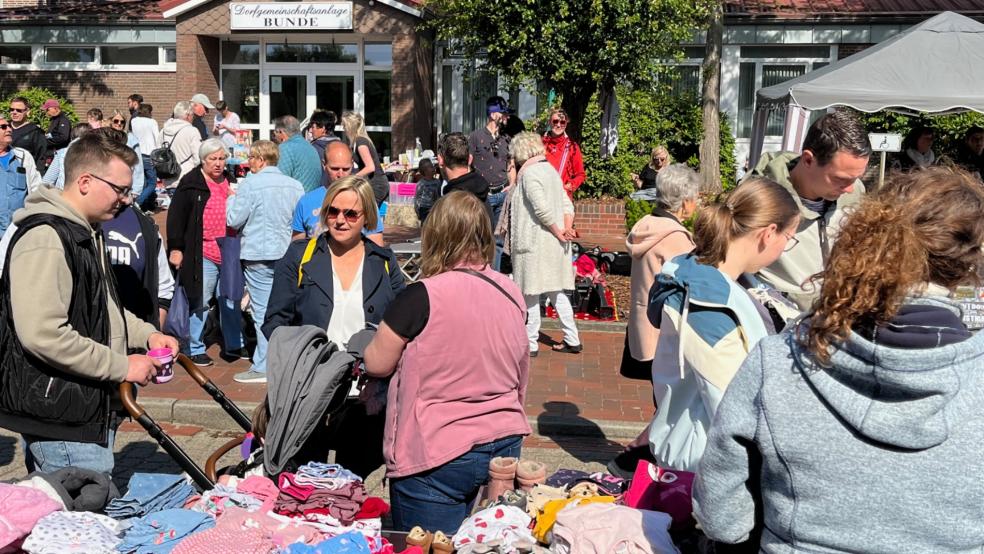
[35,97]
[571,46]
[949,129]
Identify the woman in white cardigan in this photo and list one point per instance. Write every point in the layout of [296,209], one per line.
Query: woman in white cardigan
[540,232]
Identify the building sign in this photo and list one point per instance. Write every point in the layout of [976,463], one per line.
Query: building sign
[290,16]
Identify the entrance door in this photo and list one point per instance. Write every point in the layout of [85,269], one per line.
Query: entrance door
[299,93]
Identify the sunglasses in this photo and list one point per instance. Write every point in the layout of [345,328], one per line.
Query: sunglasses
[119,121]
[350,215]
[558,122]
[18,110]
[4,126]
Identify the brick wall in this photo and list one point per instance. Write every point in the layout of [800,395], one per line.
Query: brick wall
[600,217]
[105,90]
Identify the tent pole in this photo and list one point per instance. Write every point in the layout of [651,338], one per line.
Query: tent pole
[881,171]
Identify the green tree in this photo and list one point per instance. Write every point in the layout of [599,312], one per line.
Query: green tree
[575,47]
[35,97]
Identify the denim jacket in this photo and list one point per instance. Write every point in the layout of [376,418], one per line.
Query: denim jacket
[262,208]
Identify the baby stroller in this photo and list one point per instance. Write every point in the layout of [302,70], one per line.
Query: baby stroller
[206,478]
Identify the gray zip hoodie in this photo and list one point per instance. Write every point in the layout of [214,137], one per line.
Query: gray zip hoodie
[881,452]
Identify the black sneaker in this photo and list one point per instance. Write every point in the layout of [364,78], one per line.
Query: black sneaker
[202,360]
[240,353]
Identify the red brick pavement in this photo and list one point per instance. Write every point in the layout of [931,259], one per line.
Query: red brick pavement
[586,385]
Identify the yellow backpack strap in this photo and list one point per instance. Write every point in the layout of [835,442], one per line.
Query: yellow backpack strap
[308,252]
[387,262]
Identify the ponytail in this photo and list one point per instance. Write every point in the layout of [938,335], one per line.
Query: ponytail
[923,227]
[757,203]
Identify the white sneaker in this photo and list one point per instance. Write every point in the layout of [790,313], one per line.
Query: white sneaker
[250,376]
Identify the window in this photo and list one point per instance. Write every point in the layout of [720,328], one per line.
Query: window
[377,95]
[129,55]
[447,95]
[785,51]
[170,55]
[684,80]
[383,141]
[10,53]
[773,75]
[379,54]
[241,90]
[479,85]
[312,53]
[69,54]
[240,52]
[746,98]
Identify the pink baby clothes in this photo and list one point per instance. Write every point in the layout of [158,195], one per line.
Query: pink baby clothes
[225,539]
[601,527]
[261,488]
[214,219]
[506,523]
[20,510]
[280,531]
[288,484]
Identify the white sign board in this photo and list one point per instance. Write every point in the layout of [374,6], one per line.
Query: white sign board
[885,142]
[290,16]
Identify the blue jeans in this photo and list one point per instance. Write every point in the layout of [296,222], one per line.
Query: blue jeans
[150,184]
[495,202]
[441,498]
[259,280]
[229,316]
[48,455]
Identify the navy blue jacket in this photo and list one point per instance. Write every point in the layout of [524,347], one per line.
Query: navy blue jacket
[312,302]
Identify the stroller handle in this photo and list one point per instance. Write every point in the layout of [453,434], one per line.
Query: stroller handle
[213,460]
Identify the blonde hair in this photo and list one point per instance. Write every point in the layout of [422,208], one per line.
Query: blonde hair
[354,126]
[266,149]
[656,151]
[117,112]
[361,187]
[457,231]
[757,203]
[524,146]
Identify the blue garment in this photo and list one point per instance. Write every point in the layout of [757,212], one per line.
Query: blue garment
[299,160]
[441,498]
[229,315]
[148,493]
[323,470]
[259,279]
[380,216]
[159,533]
[55,176]
[307,213]
[48,456]
[138,170]
[13,179]
[352,542]
[262,208]
[150,184]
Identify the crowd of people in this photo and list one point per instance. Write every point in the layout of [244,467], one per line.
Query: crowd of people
[801,336]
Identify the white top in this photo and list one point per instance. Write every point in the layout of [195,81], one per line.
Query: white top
[348,317]
[147,133]
[230,124]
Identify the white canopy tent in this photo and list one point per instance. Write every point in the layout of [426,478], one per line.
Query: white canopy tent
[934,67]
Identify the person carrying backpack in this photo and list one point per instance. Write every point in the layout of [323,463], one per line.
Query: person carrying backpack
[178,144]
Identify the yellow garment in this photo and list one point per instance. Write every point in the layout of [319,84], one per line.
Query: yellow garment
[547,518]
[540,495]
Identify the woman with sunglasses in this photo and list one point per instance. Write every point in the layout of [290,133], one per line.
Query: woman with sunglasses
[658,159]
[563,153]
[339,280]
[710,313]
[118,121]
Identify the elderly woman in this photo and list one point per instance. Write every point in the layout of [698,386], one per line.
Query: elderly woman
[339,280]
[562,152]
[459,375]
[196,218]
[539,239]
[658,159]
[262,209]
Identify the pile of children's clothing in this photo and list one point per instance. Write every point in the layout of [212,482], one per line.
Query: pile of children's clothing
[322,508]
[571,512]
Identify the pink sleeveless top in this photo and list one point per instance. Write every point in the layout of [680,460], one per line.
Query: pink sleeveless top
[462,381]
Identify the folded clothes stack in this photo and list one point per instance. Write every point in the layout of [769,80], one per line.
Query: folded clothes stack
[150,492]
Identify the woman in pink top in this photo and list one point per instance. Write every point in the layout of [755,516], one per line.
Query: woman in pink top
[195,219]
[455,344]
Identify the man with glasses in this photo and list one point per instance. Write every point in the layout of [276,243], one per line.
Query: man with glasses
[18,174]
[825,182]
[27,135]
[489,148]
[68,336]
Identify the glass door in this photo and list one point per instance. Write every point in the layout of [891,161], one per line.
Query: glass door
[288,95]
[335,93]
[300,92]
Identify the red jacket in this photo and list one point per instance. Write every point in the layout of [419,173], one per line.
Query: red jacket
[572,174]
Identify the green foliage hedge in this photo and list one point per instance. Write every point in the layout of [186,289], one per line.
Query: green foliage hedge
[647,119]
[949,129]
[35,97]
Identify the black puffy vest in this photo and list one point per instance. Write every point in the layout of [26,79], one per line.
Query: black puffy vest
[36,398]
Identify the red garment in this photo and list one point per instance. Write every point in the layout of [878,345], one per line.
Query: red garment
[214,219]
[373,507]
[572,174]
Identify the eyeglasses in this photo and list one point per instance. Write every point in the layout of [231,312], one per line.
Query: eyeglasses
[558,122]
[791,243]
[350,215]
[4,126]
[18,110]
[122,192]
[119,121]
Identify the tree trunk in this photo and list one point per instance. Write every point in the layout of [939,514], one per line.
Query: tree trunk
[574,100]
[710,144]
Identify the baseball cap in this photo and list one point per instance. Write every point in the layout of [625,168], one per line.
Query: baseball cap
[496,104]
[49,103]
[203,100]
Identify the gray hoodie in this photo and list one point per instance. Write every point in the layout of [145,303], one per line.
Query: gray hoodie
[881,452]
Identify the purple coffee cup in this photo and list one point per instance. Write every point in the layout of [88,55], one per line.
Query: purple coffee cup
[166,359]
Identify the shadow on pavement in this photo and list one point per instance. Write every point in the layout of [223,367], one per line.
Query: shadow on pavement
[578,436]
[143,457]
[8,449]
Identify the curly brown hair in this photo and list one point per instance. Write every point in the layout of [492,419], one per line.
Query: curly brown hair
[923,227]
